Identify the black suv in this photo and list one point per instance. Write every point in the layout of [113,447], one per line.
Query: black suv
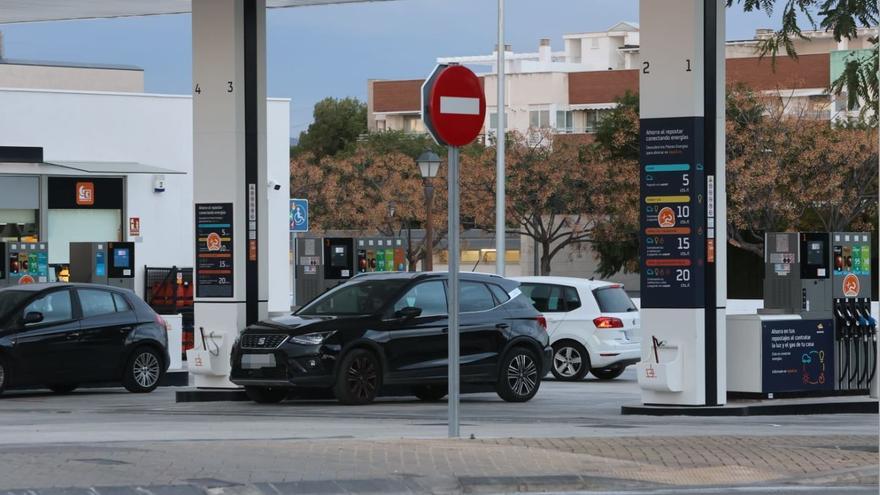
[392,329]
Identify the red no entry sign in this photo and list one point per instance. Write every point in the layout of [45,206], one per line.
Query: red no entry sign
[453,105]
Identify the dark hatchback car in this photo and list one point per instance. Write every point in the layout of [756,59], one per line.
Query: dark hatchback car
[63,335]
[392,329]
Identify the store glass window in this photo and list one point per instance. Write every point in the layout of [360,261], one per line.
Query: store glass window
[19,208]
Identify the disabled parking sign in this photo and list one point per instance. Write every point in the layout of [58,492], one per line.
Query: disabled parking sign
[299,215]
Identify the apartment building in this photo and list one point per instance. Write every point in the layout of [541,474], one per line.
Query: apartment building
[570,90]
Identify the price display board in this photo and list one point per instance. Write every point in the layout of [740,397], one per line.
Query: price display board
[214,254]
[673,210]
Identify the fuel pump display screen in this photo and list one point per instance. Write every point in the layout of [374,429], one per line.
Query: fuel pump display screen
[121,258]
[815,259]
[815,253]
[339,257]
[673,238]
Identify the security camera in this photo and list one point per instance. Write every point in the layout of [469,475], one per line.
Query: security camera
[274,185]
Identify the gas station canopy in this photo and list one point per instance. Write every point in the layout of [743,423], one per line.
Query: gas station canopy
[14,11]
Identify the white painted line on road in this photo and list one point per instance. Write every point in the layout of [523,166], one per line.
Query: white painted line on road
[732,490]
[460,106]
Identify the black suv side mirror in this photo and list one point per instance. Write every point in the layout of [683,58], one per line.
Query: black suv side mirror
[33,317]
[408,312]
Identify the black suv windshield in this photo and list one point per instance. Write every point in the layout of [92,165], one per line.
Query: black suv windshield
[9,301]
[358,297]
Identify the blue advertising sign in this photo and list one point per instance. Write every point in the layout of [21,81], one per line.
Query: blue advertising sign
[798,355]
[299,215]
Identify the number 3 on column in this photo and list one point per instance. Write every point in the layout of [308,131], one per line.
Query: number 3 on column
[229,86]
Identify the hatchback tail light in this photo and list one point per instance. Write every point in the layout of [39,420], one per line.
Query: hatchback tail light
[608,322]
[542,322]
[162,323]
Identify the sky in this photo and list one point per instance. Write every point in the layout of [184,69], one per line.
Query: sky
[316,52]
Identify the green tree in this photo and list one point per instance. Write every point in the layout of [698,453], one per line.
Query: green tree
[842,18]
[337,125]
[618,132]
[616,243]
[411,145]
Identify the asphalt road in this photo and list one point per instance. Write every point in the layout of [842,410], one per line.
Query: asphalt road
[588,408]
[109,442]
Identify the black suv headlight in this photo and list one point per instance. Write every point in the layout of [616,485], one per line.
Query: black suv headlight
[312,338]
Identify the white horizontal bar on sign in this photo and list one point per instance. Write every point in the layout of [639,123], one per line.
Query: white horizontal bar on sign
[459,105]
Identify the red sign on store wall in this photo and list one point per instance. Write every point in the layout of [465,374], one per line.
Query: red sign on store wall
[85,193]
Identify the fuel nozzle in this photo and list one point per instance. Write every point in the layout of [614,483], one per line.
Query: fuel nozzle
[859,324]
[870,321]
[844,321]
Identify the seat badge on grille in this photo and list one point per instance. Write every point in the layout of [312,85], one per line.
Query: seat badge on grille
[261,341]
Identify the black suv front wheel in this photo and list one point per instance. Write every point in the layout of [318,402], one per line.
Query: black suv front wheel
[4,374]
[359,378]
[519,378]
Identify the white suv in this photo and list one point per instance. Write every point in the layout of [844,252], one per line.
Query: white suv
[593,325]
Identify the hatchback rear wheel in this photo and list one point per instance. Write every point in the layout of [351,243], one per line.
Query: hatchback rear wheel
[143,371]
[570,361]
[519,377]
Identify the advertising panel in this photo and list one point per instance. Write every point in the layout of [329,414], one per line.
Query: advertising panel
[798,355]
[214,253]
[673,237]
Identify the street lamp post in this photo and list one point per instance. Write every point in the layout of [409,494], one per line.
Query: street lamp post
[429,165]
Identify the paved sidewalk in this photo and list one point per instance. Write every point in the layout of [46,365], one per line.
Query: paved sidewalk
[441,466]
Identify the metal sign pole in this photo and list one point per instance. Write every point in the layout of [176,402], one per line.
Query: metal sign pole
[454,246]
[500,136]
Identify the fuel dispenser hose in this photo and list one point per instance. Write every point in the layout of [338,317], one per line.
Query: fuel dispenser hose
[843,350]
[870,349]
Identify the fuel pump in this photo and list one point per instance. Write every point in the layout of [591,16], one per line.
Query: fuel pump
[855,328]
[817,277]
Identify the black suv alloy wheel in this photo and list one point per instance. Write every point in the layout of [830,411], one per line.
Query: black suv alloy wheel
[519,380]
[359,378]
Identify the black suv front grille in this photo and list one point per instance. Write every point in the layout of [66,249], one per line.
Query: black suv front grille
[262,341]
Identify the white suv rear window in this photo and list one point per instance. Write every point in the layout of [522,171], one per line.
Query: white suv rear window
[613,299]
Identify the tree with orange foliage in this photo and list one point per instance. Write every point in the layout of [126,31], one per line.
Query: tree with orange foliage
[788,171]
[375,189]
[555,194]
